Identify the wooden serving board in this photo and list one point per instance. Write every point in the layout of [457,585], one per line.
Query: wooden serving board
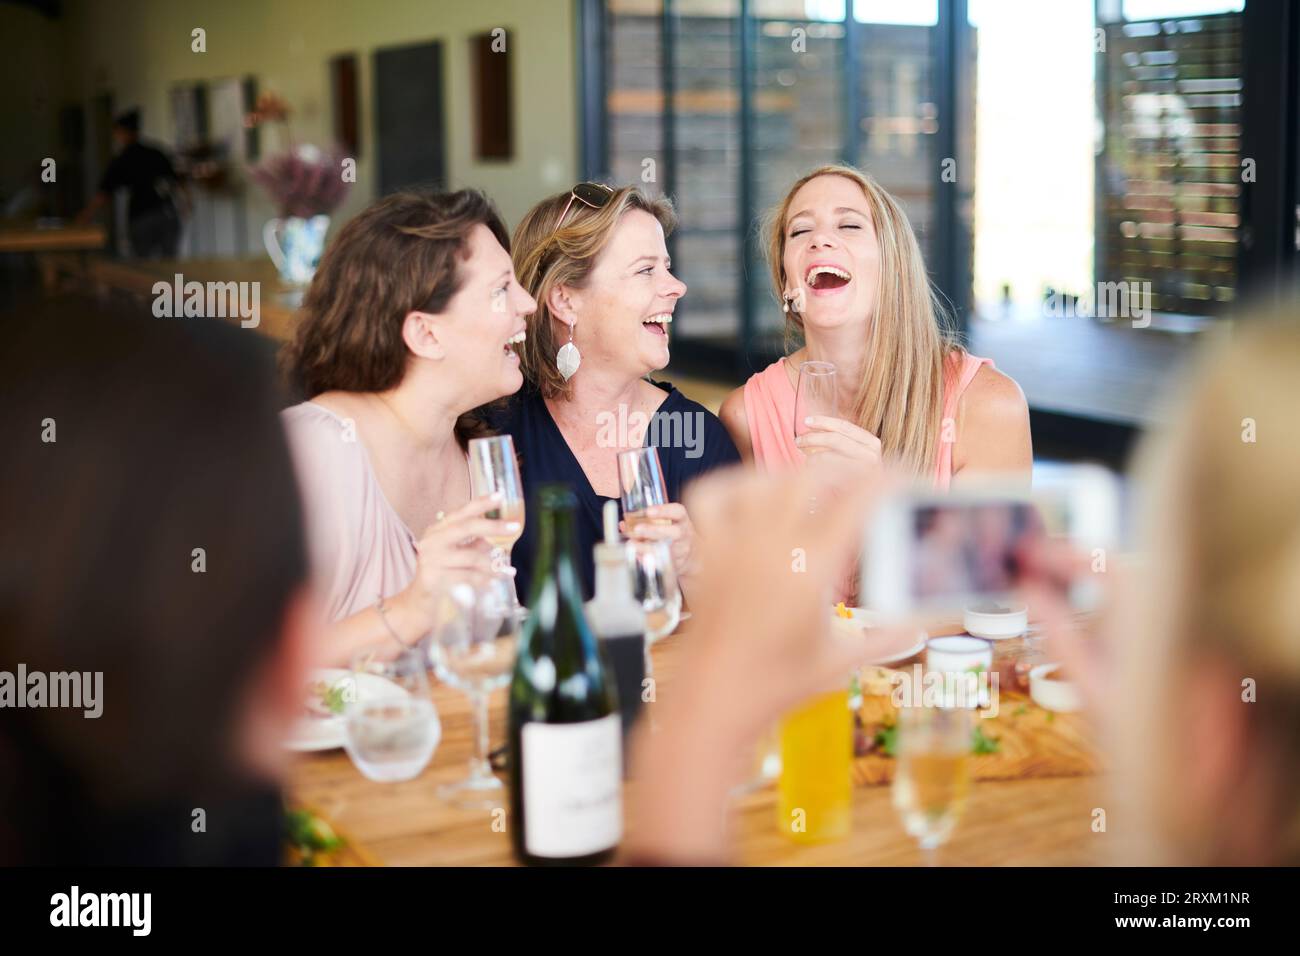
[1032,742]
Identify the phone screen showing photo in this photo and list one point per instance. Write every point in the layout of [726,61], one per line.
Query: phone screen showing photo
[969,549]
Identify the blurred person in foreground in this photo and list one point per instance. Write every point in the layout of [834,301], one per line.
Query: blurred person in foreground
[1194,680]
[151,533]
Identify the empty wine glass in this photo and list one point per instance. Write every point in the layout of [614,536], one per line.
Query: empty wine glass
[654,584]
[473,650]
[493,468]
[932,777]
[391,728]
[641,485]
[816,394]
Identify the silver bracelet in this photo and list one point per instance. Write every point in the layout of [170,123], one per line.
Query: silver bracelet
[383,616]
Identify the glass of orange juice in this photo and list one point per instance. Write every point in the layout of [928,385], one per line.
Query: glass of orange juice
[815,794]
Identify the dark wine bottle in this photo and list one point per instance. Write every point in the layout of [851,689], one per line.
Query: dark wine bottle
[566,796]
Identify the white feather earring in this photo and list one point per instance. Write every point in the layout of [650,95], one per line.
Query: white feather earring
[568,358]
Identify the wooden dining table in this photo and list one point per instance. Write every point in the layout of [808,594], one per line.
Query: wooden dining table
[1043,821]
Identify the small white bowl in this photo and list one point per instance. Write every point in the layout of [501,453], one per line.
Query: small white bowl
[1051,693]
[996,625]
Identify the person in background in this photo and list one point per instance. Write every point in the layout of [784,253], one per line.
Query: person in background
[411,321]
[156,199]
[595,260]
[1194,672]
[151,536]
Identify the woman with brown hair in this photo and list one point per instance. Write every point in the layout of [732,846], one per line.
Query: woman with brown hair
[410,323]
[595,260]
[852,282]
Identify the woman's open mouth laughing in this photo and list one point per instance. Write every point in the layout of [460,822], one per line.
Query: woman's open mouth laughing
[823,278]
[658,324]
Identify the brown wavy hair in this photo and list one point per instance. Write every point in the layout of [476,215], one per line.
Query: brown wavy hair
[545,257]
[398,256]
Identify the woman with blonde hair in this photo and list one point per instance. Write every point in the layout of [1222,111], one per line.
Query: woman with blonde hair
[595,260]
[853,285]
[849,273]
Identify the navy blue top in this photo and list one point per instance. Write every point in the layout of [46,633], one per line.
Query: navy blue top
[691,441]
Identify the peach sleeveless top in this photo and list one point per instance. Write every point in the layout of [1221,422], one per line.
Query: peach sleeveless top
[769,411]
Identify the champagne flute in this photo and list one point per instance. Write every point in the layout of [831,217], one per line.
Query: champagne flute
[641,485]
[391,728]
[493,469]
[816,394]
[654,584]
[473,650]
[933,773]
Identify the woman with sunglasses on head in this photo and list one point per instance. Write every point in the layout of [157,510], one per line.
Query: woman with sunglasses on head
[596,262]
[410,323]
[849,273]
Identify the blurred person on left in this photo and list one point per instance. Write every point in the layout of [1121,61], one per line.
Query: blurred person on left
[152,535]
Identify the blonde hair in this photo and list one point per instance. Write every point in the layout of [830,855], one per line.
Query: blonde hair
[1222,522]
[545,257]
[900,397]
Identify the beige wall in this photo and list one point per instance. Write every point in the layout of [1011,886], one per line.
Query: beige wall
[138,49]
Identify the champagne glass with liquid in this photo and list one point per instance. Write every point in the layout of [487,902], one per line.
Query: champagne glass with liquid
[641,485]
[493,468]
[932,778]
[473,650]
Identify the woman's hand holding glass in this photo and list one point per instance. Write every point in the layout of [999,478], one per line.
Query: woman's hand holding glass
[455,549]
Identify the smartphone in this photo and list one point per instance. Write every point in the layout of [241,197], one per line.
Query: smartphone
[928,552]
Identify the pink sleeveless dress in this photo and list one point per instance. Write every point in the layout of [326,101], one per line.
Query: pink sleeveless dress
[769,410]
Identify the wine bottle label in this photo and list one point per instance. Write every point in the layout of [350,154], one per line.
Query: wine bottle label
[573,802]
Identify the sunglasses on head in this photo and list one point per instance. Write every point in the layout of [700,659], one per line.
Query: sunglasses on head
[593,195]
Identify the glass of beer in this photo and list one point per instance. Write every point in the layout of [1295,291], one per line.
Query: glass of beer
[932,778]
[815,793]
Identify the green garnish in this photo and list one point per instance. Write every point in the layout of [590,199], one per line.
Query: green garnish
[886,740]
[1051,716]
[983,744]
[335,699]
[1019,711]
[309,835]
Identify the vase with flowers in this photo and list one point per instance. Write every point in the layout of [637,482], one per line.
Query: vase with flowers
[306,183]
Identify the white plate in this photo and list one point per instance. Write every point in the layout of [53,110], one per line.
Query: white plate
[327,733]
[866,619]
